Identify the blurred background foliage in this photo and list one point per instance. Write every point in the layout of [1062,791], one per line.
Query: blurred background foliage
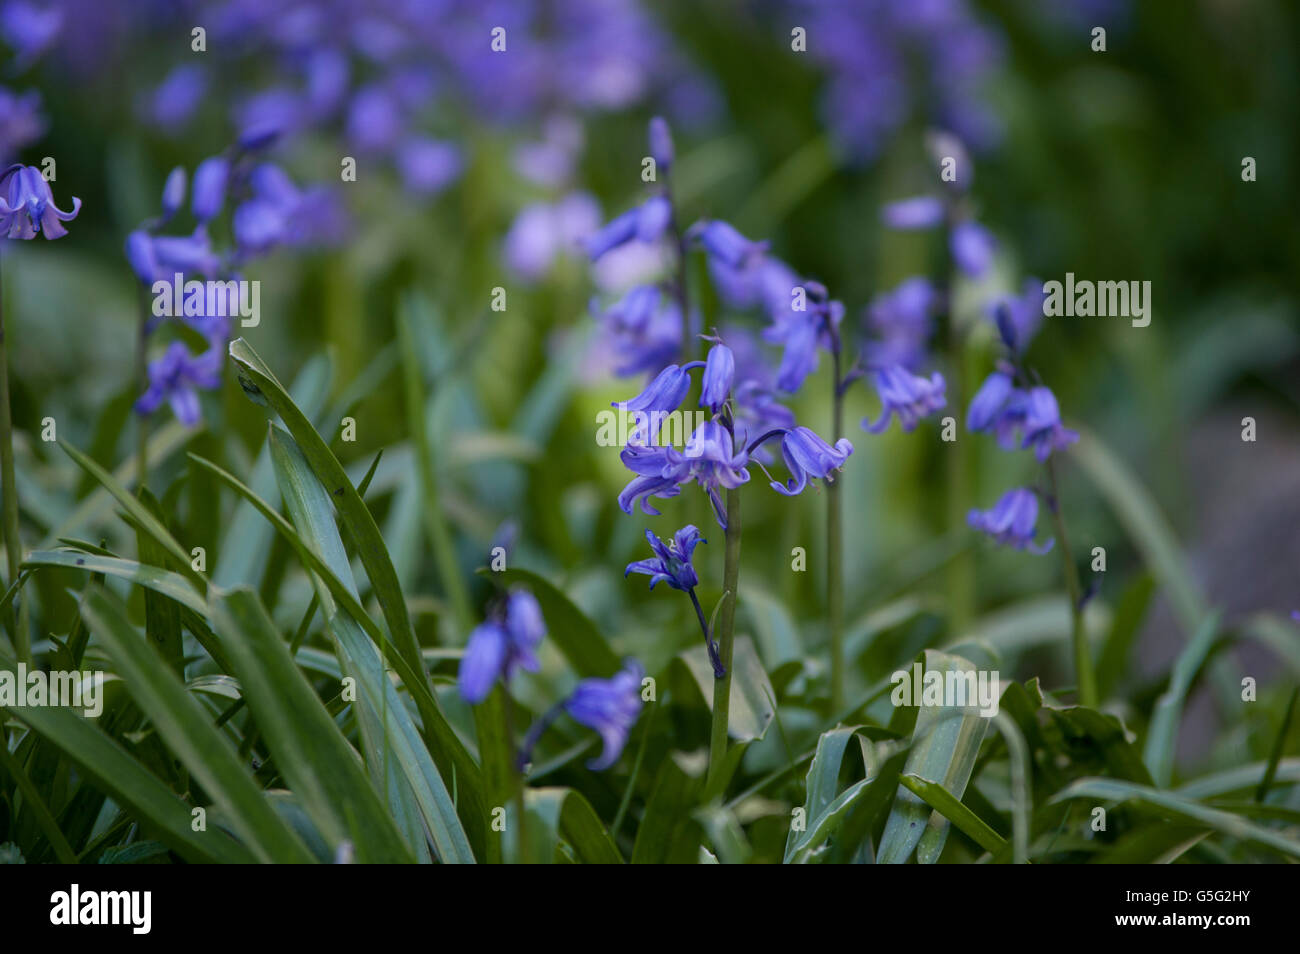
[1117,165]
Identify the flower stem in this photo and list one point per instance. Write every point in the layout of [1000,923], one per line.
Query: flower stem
[142,384]
[726,643]
[1079,638]
[13,544]
[835,550]
[718,669]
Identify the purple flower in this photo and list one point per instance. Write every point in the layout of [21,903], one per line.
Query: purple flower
[1018,318]
[29,30]
[989,402]
[724,243]
[662,395]
[210,180]
[176,378]
[710,460]
[919,212]
[646,223]
[429,165]
[177,97]
[21,122]
[375,120]
[1011,521]
[27,205]
[173,196]
[900,324]
[907,395]
[808,456]
[972,248]
[719,375]
[672,561]
[661,143]
[802,332]
[543,231]
[1043,430]
[502,645]
[645,328]
[610,707]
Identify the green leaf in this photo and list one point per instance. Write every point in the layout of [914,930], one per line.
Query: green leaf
[257,380]
[945,742]
[562,817]
[942,801]
[1088,731]
[751,706]
[823,808]
[1145,524]
[127,781]
[669,833]
[309,750]
[1162,734]
[162,616]
[1181,808]
[189,734]
[391,724]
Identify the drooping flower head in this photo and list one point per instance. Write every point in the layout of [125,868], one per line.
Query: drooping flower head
[177,377]
[501,645]
[1044,431]
[807,321]
[27,206]
[610,707]
[906,395]
[899,325]
[808,456]
[1011,521]
[719,376]
[645,223]
[672,559]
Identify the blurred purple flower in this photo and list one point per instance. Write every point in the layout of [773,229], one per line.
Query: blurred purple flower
[29,29]
[899,325]
[919,212]
[1019,317]
[21,122]
[502,645]
[429,165]
[544,231]
[610,707]
[176,377]
[1012,521]
[906,395]
[176,98]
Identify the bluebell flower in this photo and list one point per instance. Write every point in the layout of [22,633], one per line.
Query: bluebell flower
[646,329]
[21,122]
[173,196]
[808,456]
[990,401]
[210,181]
[906,395]
[661,143]
[972,247]
[428,166]
[719,376]
[722,242]
[610,707]
[710,459]
[1018,317]
[1043,430]
[29,30]
[1011,521]
[802,333]
[645,223]
[661,396]
[900,325]
[919,212]
[176,98]
[502,645]
[27,205]
[176,378]
[672,560]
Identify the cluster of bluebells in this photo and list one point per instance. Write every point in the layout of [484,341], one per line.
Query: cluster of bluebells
[508,641]
[888,63]
[27,30]
[1021,414]
[266,210]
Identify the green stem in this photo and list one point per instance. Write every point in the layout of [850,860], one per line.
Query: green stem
[835,551]
[1084,675]
[726,643]
[142,384]
[13,543]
